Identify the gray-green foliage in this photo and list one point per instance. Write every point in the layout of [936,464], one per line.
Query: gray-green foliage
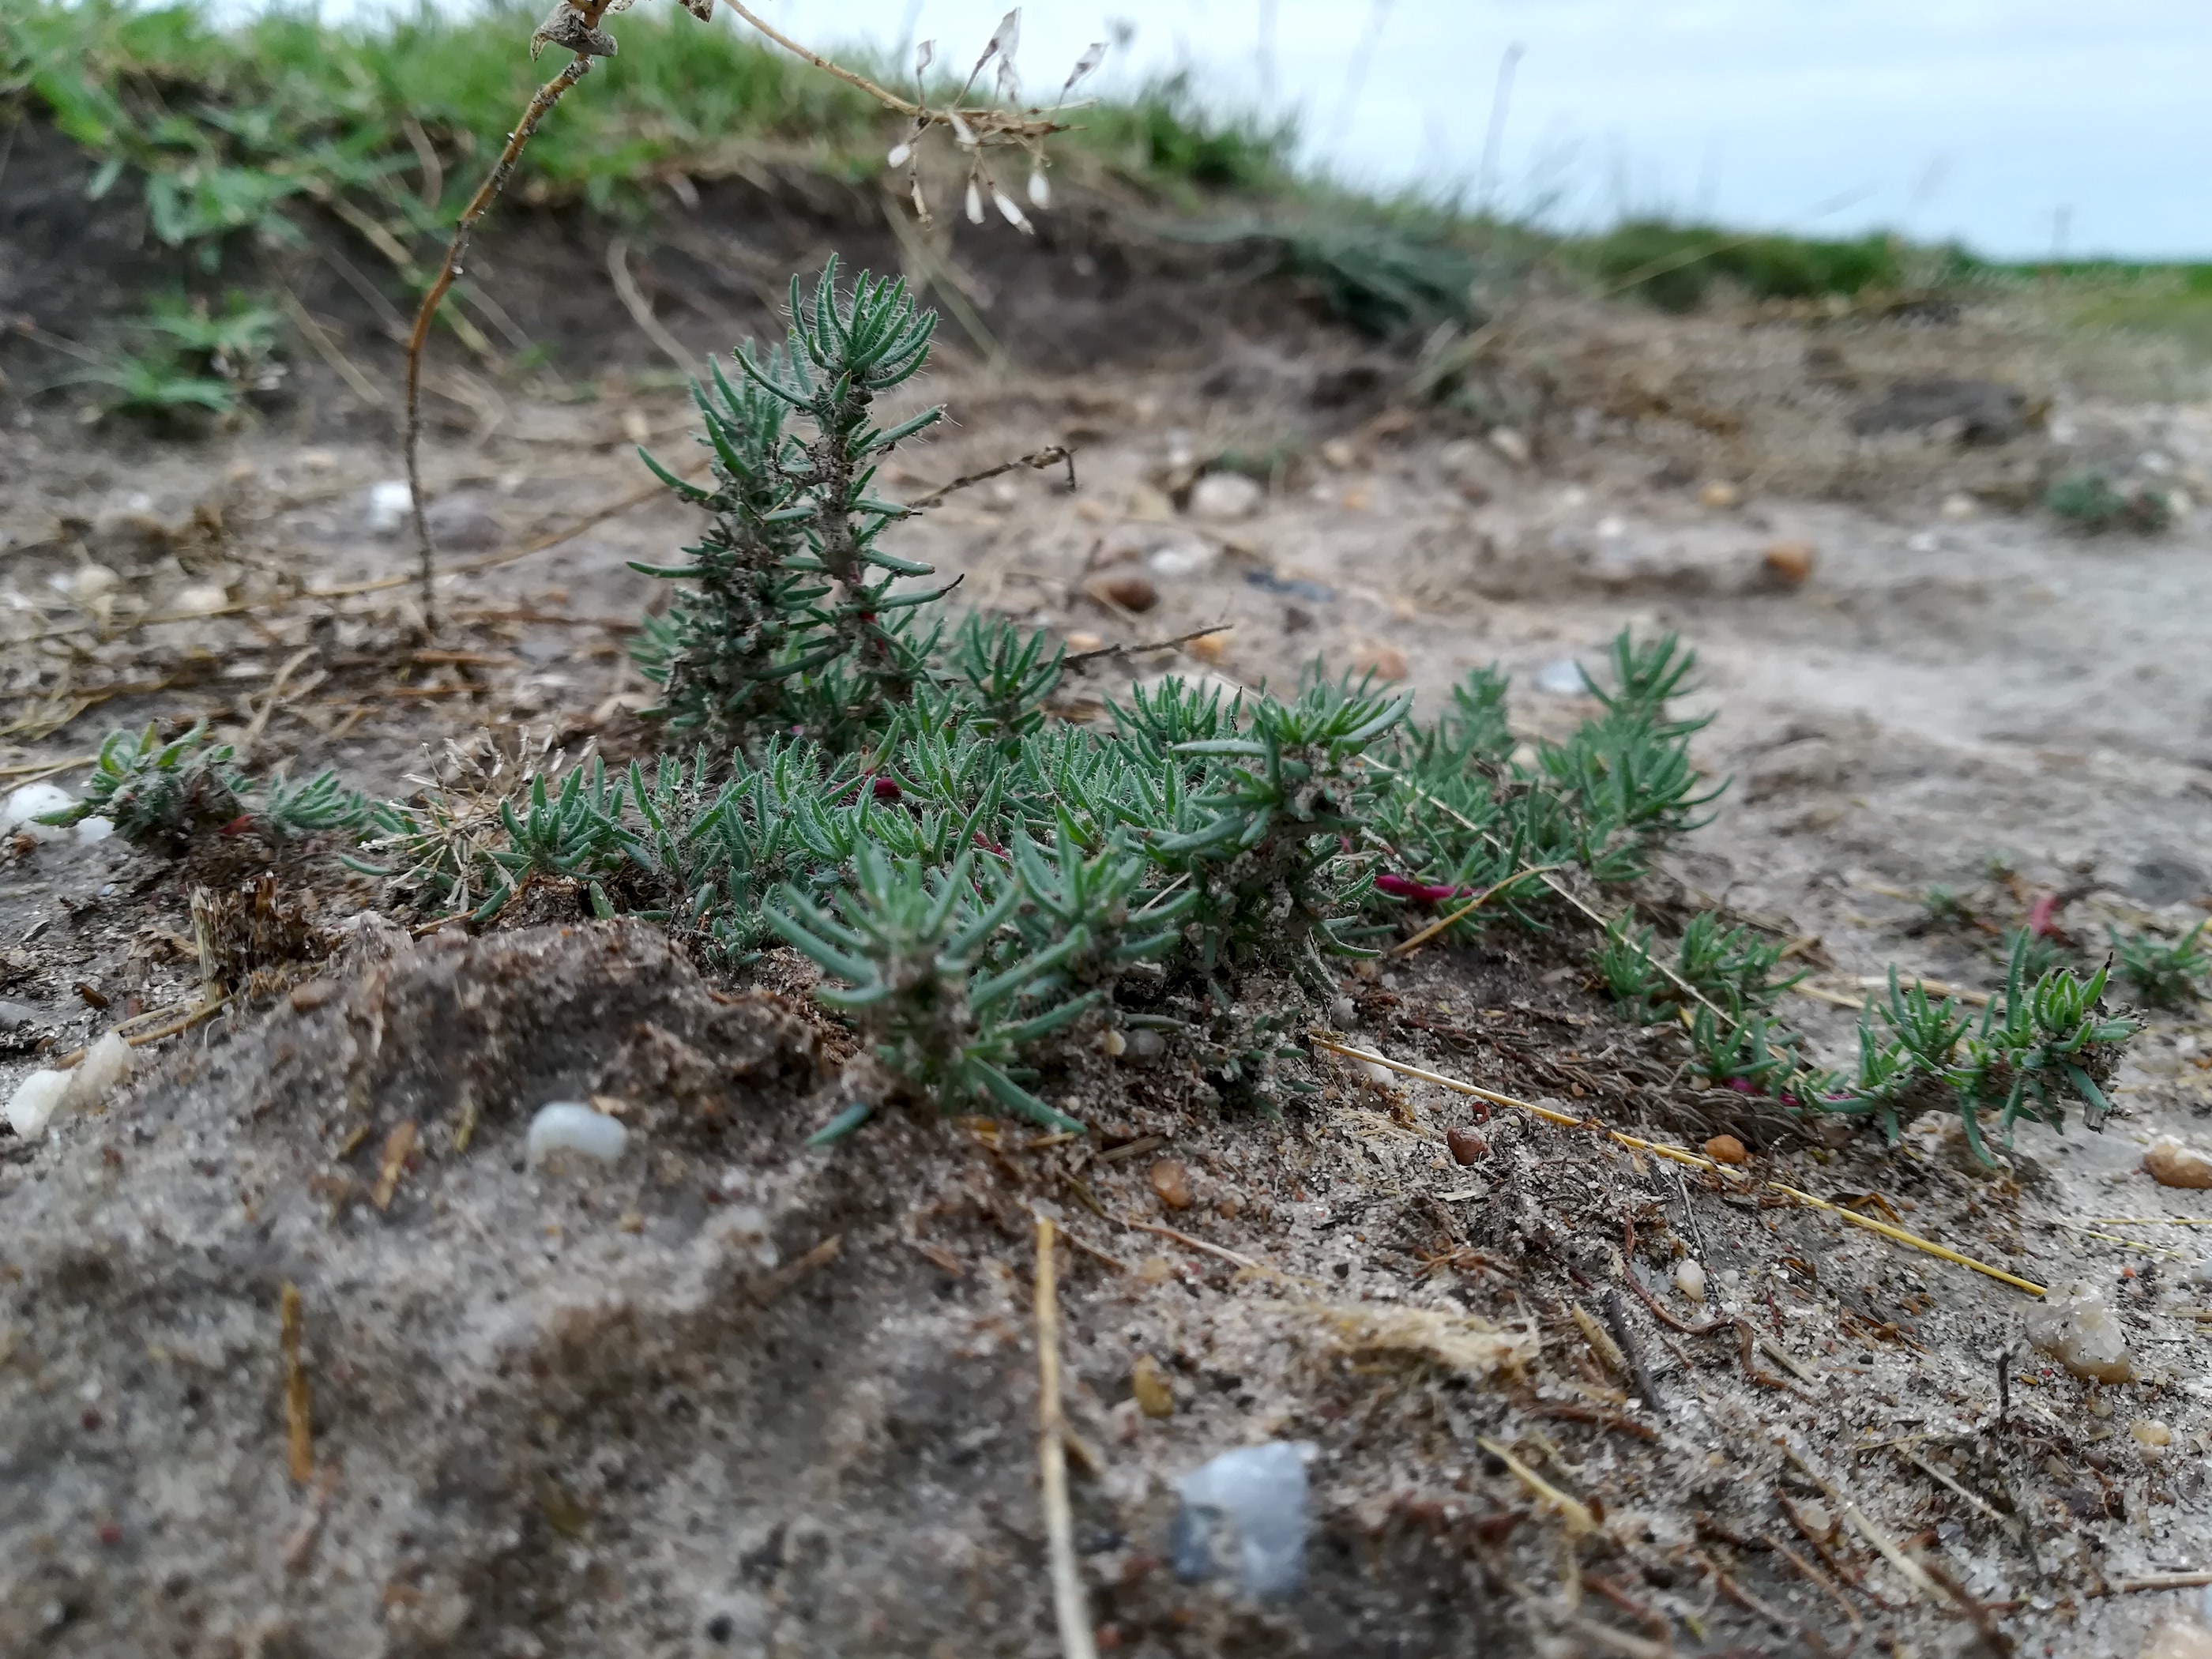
[987,889]
[162,793]
[786,617]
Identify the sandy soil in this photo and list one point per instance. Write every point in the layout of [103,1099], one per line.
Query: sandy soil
[659,1411]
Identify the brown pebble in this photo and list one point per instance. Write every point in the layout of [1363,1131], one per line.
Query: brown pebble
[1209,648]
[311,994]
[1230,1206]
[1384,661]
[1171,1181]
[1467,1146]
[1130,590]
[1154,1397]
[2172,1163]
[1789,561]
[1727,1149]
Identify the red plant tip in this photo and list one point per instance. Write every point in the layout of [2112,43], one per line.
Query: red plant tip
[239,825]
[1421,892]
[989,845]
[2043,915]
[886,789]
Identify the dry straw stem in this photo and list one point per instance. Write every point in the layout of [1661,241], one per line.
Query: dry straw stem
[1407,947]
[299,1424]
[1570,1509]
[1680,1154]
[1068,1602]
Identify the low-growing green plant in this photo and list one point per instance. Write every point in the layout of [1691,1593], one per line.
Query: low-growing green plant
[915,947]
[2166,975]
[2092,504]
[995,897]
[161,794]
[788,619]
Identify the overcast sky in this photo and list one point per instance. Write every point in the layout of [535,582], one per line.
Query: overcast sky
[2016,125]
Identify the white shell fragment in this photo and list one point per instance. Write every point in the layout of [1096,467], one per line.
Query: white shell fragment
[28,804]
[35,1102]
[44,1094]
[568,1125]
[1245,1513]
[1689,1279]
[2075,1326]
[104,1068]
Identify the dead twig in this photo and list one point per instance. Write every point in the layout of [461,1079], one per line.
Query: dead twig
[1035,461]
[1153,645]
[640,308]
[1616,1319]
[1068,1598]
[540,106]
[768,1289]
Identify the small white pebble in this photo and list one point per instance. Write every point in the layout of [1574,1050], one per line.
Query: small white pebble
[389,505]
[1689,1279]
[1377,1073]
[91,832]
[568,1126]
[1147,1045]
[1344,1011]
[104,1068]
[35,1102]
[32,802]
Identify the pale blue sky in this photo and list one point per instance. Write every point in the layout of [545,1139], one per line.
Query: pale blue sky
[1984,119]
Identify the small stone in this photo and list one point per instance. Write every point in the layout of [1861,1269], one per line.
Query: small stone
[105,1067]
[2151,1434]
[201,599]
[1958,506]
[389,505]
[2172,1163]
[2075,1326]
[91,831]
[1719,493]
[1079,642]
[1179,559]
[35,1102]
[1562,678]
[1125,590]
[1689,1279]
[1209,648]
[32,802]
[1245,1512]
[1339,454]
[1727,1149]
[1383,660]
[1789,561]
[1150,1385]
[1225,497]
[1467,1146]
[311,994]
[1170,1179]
[1818,1521]
[464,524]
[1511,443]
[569,1126]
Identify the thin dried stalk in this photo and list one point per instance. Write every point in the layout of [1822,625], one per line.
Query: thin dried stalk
[541,105]
[1068,1598]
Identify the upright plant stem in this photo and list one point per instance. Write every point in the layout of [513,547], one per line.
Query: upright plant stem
[540,106]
